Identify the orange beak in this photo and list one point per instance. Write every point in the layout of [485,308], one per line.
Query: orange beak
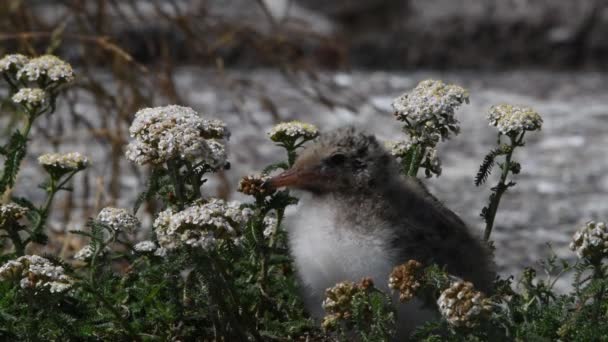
[293,178]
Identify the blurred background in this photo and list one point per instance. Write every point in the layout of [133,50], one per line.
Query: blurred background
[254,63]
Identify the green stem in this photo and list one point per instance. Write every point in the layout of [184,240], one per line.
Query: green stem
[173,166]
[28,127]
[501,187]
[19,153]
[291,156]
[16,239]
[195,180]
[416,161]
[44,210]
[230,303]
[598,273]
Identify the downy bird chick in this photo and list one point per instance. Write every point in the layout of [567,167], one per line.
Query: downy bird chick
[359,217]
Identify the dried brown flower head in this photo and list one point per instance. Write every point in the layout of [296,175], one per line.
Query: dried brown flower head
[253,185]
[338,300]
[406,278]
[462,306]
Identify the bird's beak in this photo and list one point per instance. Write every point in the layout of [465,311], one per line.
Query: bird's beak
[297,178]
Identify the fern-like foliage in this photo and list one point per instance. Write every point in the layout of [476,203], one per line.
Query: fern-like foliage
[15,152]
[485,169]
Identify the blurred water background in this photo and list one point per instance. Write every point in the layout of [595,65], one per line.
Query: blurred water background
[254,63]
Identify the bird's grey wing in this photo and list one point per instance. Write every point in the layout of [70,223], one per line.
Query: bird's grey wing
[434,234]
[445,214]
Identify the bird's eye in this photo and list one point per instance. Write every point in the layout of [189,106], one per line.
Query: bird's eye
[336,159]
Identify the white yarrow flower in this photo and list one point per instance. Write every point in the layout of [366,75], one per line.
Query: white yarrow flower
[398,148]
[13,62]
[36,272]
[201,225]
[292,131]
[270,225]
[50,66]
[30,96]
[145,247]
[461,305]
[164,133]
[62,163]
[85,253]
[591,241]
[429,111]
[511,119]
[118,219]
[430,100]
[11,212]
[161,252]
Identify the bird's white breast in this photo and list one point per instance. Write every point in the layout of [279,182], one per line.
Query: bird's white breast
[326,252]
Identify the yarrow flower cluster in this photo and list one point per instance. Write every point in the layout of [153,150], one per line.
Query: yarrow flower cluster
[462,306]
[511,119]
[48,66]
[145,247]
[591,241]
[36,272]
[12,62]
[118,219]
[58,163]
[165,133]
[202,225]
[11,212]
[339,298]
[85,253]
[431,162]
[270,225]
[254,186]
[406,279]
[429,110]
[398,148]
[290,132]
[30,96]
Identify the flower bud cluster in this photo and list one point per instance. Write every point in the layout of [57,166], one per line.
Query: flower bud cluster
[118,219]
[86,253]
[13,63]
[429,111]
[36,272]
[406,279]
[270,225]
[289,132]
[46,66]
[165,133]
[11,212]
[58,163]
[339,298]
[398,149]
[202,225]
[32,97]
[253,185]
[510,119]
[145,247]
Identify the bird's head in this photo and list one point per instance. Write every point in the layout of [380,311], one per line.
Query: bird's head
[342,161]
